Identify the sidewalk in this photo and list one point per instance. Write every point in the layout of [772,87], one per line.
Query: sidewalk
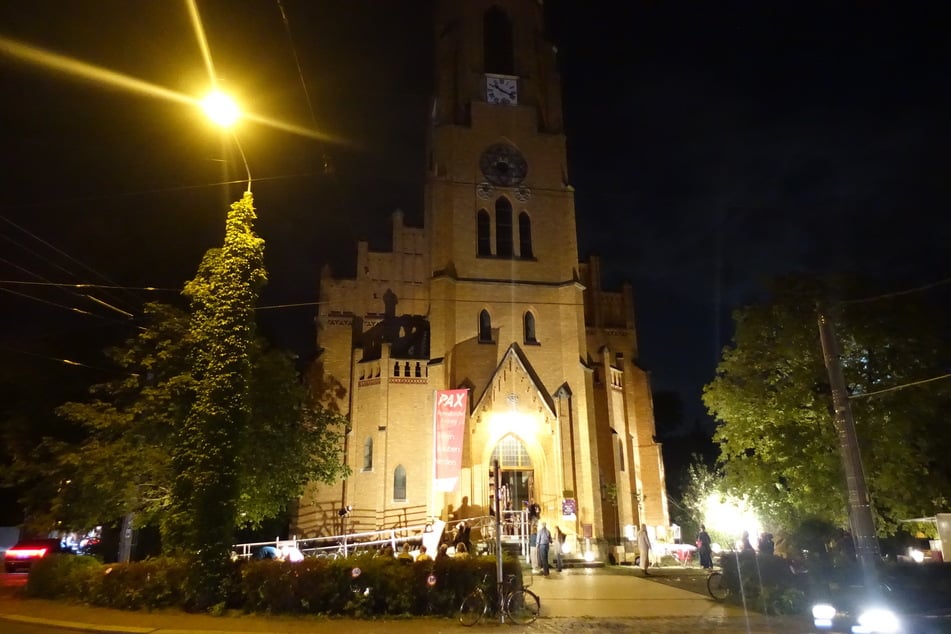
[607,600]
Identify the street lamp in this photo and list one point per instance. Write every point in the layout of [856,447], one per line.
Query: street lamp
[223,110]
[207,455]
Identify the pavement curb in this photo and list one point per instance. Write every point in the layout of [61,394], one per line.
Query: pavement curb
[111,629]
[73,625]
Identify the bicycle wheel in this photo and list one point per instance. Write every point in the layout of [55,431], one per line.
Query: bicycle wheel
[716,586]
[472,608]
[522,607]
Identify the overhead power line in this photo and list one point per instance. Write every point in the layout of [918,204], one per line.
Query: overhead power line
[48,358]
[908,291]
[85,285]
[46,301]
[900,387]
[83,265]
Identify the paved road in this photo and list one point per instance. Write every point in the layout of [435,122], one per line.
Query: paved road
[8,580]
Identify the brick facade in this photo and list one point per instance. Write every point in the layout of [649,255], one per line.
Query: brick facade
[489,295]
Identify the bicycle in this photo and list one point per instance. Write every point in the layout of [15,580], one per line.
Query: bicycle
[717,586]
[520,605]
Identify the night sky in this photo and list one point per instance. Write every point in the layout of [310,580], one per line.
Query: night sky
[712,145]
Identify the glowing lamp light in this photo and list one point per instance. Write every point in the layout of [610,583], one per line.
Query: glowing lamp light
[221,109]
[822,615]
[589,556]
[878,620]
[731,516]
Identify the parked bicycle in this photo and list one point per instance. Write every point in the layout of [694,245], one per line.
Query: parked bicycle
[717,586]
[519,605]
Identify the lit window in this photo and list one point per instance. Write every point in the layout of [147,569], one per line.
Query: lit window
[399,484]
[511,453]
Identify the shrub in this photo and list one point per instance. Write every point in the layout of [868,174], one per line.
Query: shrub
[362,586]
[150,584]
[59,576]
[764,582]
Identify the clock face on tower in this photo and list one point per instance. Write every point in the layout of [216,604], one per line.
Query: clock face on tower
[501,89]
[503,165]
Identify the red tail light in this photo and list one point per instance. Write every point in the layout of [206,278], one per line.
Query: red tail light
[26,553]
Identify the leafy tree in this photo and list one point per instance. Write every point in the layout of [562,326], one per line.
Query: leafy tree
[771,398]
[31,386]
[121,464]
[122,461]
[700,482]
[204,508]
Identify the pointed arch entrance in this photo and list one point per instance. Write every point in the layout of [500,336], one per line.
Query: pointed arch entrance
[517,475]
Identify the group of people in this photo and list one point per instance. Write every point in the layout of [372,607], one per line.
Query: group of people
[765,546]
[287,552]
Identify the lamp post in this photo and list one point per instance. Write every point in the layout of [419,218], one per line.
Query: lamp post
[207,451]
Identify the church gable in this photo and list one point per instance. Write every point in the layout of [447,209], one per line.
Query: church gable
[515,387]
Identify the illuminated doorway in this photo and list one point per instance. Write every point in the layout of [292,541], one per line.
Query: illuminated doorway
[516,473]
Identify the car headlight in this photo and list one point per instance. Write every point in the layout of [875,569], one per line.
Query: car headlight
[877,621]
[822,615]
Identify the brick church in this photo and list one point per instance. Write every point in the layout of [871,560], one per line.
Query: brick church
[489,297]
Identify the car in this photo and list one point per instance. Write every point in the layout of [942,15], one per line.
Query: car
[908,598]
[21,556]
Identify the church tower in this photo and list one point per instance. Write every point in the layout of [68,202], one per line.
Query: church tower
[489,296]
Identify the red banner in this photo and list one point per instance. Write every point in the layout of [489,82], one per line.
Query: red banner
[449,416]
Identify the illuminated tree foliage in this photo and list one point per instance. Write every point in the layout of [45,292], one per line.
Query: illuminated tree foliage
[120,460]
[772,401]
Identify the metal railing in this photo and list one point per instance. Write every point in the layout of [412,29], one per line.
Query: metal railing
[515,529]
[344,545]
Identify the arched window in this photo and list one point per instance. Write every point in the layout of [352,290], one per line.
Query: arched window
[511,454]
[525,235]
[530,328]
[485,327]
[368,454]
[503,228]
[497,42]
[484,232]
[399,484]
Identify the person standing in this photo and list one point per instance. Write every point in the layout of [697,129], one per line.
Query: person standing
[644,548]
[543,541]
[559,543]
[704,548]
[745,545]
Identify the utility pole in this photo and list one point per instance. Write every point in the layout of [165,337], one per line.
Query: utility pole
[860,509]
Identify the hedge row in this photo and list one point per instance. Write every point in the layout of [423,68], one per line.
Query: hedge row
[765,583]
[362,586]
